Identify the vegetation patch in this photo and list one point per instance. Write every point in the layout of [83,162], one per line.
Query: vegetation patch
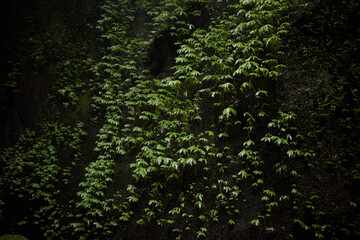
[191,120]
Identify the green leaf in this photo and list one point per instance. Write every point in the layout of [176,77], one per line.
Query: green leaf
[303,225]
[243,174]
[246,85]
[227,87]
[228,112]
[248,143]
[190,161]
[255,222]
[199,204]
[223,135]
[210,133]
[181,60]
[133,198]
[271,229]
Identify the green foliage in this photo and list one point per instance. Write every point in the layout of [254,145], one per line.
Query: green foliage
[31,172]
[203,141]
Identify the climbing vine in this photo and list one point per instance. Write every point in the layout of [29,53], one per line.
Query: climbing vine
[217,70]
[34,174]
[191,138]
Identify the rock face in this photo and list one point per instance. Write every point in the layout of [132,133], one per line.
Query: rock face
[172,119]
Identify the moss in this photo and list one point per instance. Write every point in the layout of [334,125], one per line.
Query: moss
[13,237]
[82,109]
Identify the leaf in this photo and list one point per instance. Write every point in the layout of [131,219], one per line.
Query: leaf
[243,174]
[272,229]
[228,112]
[241,71]
[133,198]
[269,192]
[173,83]
[181,60]
[200,234]
[261,114]
[182,151]
[314,197]
[258,93]
[155,202]
[273,40]
[199,204]
[255,222]
[174,165]
[199,196]
[172,176]
[248,143]
[131,188]
[190,161]
[227,87]
[274,74]
[137,129]
[290,153]
[210,133]
[172,134]
[265,198]
[220,196]
[303,225]
[202,217]
[223,135]
[243,153]
[246,85]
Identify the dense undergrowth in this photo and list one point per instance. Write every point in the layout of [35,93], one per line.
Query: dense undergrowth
[189,119]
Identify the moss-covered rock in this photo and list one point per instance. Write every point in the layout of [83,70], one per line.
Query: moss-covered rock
[13,237]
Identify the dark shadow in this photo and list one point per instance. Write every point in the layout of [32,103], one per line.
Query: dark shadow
[163,53]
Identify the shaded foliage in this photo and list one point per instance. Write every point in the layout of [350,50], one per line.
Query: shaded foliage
[184,119]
